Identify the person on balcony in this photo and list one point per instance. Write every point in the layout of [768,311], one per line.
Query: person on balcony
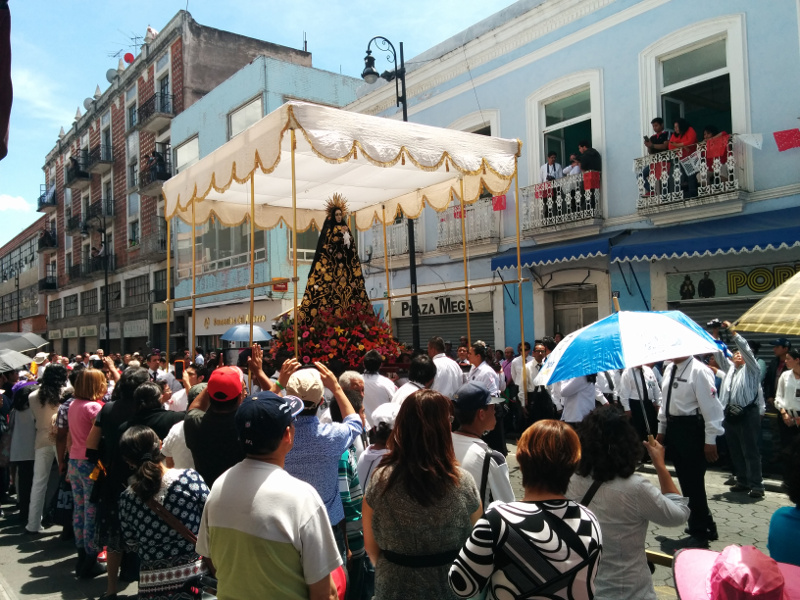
[716,148]
[590,158]
[550,171]
[658,142]
[590,161]
[684,138]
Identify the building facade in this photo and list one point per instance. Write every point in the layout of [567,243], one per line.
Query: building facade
[24,280]
[102,191]
[222,252]
[556,72]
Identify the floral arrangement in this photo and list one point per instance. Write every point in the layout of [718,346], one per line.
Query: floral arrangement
[343,338]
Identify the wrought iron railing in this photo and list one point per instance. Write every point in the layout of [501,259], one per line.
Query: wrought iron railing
[97,264]
[73,222]
[396,238]
[481,224]
[102,208]
[77,169]
[49,282]
[100,153]
[48,238]
[157,103]
[571,199]
[47,197]
[157,168]
[709,169]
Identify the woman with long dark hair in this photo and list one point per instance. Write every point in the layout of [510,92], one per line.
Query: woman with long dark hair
[623,501]
[44,404]
[104,440]
[156,511]
[420,505]
[23,436]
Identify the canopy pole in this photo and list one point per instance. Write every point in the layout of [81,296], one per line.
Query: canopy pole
[169,287]
[194,285]
[252,265]
[386,268]
[464,251]
[294,243]
[519,291]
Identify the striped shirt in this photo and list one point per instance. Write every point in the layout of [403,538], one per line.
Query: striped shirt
[740,386]
[350,492]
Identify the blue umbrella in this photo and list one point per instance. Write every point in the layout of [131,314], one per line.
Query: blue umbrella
[241,333]
[625,339]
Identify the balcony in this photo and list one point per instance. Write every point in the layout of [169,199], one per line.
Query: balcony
[78,177]
[157,170]
[156,113]
[481,225]
[572,202]
[47,199]
[74,272]
[74,223]
[396,238]
[101,209]
[707,182]
[97,264]
[100,159]
[154,245]
[48,240]
[50,282]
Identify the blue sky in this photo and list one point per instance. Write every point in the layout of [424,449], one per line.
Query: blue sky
[61,50]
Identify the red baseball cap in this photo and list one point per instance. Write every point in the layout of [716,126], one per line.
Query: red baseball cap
[225,384]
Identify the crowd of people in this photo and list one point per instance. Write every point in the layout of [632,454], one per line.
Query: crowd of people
[283,481]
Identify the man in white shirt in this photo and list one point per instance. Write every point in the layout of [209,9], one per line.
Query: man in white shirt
[481,371]
[475,413]
[539,403]
[449,376]
[640,396]
[517,365]
[689,422]
[420,376]
[551,170]
[377,388]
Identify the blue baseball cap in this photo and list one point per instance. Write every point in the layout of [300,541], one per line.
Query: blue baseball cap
[473,395]
[781,342]
[262,418]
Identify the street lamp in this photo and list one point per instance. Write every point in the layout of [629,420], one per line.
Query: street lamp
[104,257]
[15,269]
[398,75]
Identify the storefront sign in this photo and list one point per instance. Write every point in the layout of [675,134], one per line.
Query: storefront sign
[217,320]
[88,331]
[160,313]
[54,334]
[69,333]
[730,283]
[280,287]
[135,328]
[448,304]
[113,330]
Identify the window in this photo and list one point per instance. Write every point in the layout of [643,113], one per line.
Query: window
[163,87]
[133,174]
[572,309]
[130,106]
[108,195]
[132,116]
[89,302]
[220,247]
[696,86]
[133,234]
[71,306]
[137,290]
[187,154]
[133,206]
[568,120]
[55,309]
[162,62]
[241,118]
[114,296]
[160,280]
[306,244]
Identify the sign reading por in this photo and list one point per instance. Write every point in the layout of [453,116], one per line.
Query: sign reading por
[730,283]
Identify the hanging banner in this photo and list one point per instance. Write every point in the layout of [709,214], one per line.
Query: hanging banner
[728,283]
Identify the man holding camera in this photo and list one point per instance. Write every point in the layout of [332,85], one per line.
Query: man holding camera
[743,403]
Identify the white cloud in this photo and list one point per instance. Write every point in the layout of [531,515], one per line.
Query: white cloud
[39,98]
[14,203]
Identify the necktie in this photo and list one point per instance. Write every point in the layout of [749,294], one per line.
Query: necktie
[669,389]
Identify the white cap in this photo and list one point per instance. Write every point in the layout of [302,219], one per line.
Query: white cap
[386,413]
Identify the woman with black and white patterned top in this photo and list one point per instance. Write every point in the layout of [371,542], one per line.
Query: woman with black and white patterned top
[542,546]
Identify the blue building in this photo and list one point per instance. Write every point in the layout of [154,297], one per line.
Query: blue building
[222,250]
[707,229]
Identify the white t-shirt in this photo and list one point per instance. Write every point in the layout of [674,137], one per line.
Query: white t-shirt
[178,401]
[174,446]
[377,390]
[405,391]
[470,453]
[449,376]
[367,464]
[267,533]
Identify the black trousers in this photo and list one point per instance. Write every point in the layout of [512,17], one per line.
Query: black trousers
[685,441]
[641,411]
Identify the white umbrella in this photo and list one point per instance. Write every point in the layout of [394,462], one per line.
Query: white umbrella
[625,339]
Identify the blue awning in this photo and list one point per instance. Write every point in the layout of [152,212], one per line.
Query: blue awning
[733,235]
[548,254]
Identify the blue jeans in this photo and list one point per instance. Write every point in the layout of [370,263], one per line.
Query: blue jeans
[743,436]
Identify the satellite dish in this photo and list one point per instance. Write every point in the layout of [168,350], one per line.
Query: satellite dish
[111,74]
[87,104]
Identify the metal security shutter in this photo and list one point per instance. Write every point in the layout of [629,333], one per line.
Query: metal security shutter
[450,327]
[726,310]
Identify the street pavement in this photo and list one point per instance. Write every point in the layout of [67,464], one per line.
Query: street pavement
[41,566]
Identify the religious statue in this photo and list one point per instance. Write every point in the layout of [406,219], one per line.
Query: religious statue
[335,281]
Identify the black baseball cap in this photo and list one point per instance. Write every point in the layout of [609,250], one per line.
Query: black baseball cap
[473,395]
[781,342]
[263,417]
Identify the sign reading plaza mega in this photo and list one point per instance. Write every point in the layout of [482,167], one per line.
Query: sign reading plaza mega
[443,304]
[728,283]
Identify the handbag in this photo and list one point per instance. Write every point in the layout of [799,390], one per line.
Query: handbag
[63,503]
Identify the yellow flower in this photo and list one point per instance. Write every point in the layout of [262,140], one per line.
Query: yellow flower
[339,330]
[361,346]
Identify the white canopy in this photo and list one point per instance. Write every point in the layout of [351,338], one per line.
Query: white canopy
[375,163]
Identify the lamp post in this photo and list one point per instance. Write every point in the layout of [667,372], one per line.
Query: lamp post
[398,75]
[16,269]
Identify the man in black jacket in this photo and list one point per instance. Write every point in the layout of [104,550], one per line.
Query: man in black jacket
[590,158]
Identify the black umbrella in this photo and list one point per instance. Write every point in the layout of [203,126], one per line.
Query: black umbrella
[22,342]
[11,360]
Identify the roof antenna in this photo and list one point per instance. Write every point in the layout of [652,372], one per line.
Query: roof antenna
[305,42]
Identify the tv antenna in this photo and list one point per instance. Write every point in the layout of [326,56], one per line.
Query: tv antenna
[137,41]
